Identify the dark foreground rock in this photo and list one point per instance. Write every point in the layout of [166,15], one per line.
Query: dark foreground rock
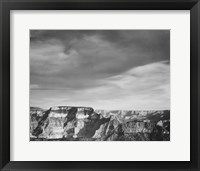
[69,123]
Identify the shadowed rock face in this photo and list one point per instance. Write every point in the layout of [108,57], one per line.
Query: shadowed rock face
[71,115]
[68,123]
[43,122]
[92,125]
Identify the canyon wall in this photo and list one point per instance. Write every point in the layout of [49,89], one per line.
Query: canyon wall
[68,123]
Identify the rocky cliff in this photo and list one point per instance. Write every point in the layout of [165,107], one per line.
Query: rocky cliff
[68,123]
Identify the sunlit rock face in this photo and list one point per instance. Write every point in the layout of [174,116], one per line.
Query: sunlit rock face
[68,123]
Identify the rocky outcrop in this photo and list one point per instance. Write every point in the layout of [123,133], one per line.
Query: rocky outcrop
[43,123]
[92,125]
[69,123]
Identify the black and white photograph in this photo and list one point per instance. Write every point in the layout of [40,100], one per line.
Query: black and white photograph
[99,85]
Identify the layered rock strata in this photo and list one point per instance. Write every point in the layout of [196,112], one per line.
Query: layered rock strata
[69,123]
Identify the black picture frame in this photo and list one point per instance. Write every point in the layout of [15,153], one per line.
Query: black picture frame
[7,5]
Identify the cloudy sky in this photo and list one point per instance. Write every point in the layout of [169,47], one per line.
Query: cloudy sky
[103,69]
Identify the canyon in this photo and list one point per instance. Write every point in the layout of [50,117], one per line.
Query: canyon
[70,123]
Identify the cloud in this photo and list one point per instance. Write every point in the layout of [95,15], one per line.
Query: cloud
[126,69]
[78,59]
[142,88]
[34,86]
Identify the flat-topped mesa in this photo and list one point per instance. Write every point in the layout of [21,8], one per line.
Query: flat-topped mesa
[60,109]
[36,111]
[58,117]
[63,111]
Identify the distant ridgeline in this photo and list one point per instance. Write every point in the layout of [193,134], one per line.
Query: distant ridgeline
[68,123]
